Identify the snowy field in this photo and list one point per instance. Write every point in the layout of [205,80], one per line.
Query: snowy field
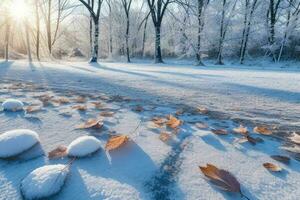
[146,167]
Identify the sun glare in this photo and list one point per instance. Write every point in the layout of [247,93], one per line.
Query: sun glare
[19,10]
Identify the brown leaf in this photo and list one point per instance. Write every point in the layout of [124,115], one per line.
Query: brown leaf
[283,159]
[97,104]
[202,110]
[91,123]
[80,107]
[159,121]
[221,178]
[180,111]
[241,130]
[80,99]
[107,114]
[272,167]
[173,122]
[59,152]
[219,131]
[295,138]
[116,141]
[201,125]
[251,140]
[262,130]
[31,109]
[165,136]
[61,100]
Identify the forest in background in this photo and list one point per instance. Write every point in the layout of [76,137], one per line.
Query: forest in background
[112,29]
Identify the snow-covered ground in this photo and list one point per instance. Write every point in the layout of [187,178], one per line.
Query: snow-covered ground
[146,167]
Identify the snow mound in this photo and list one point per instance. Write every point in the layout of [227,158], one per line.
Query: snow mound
[83,146]
[44,181]
[12,105]
[17,141]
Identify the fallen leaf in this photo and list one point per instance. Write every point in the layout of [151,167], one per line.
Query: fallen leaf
[97,104]
[262,130]
[295,138]
[59,152]
[202,110]
[159,121]
[165,136]
[31,109]
[173,122]
[219,131]
[80,107]
[251,140]
[116,141]
[80,99]
[283,159]
[180,111]
[138,109]
[221,178]
[241,140]
[107,114]
[201,125]
[91,123]
[272,167]
[241,130]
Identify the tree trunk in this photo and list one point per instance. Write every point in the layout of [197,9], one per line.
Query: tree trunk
[28,41]
[49,40]
[222,36]
[110,32]
[94,57]
[158,55]
[37,31]
[200,26]
[144,38]
[127,37]
[7,31]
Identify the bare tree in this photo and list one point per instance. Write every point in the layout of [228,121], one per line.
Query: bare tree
[126,5]
[96,17]
[158,10]
[37,7]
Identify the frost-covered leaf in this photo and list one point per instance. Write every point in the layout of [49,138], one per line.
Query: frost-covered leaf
[221,178]
[91,123]
[80,99]
[241,130]
[58,152]
[17,141]
[283,159]
[201,125]
[83,146]
[159,121]
[138,108]
[272,167]
[262,130]
[107,114]
[295,138]
[202,110]
[97,104]
[115,142]
[44,182]
[173,122]
[61,100]
[219,131]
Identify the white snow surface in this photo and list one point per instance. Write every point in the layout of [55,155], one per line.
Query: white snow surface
[17,141]
[44,181]
[12,105]
[83,146]
[147,168]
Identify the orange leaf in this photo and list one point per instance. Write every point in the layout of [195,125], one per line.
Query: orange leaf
[173,122]
[272,167]
[221,178]
[165,136]
[116,141]
[91,123]
[159,121]
[31,109]
[80,107]
[241,130]
[262,130]
[59,152]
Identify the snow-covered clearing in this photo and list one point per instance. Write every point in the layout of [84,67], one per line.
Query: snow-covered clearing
[146,167]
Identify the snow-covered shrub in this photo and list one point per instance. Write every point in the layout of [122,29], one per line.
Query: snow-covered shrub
[12,105]
[83,146]
[17,141]
[44,181]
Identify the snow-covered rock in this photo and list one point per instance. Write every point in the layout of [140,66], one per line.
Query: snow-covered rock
[17,141]
[12,105]
[83,146]
[44,181]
